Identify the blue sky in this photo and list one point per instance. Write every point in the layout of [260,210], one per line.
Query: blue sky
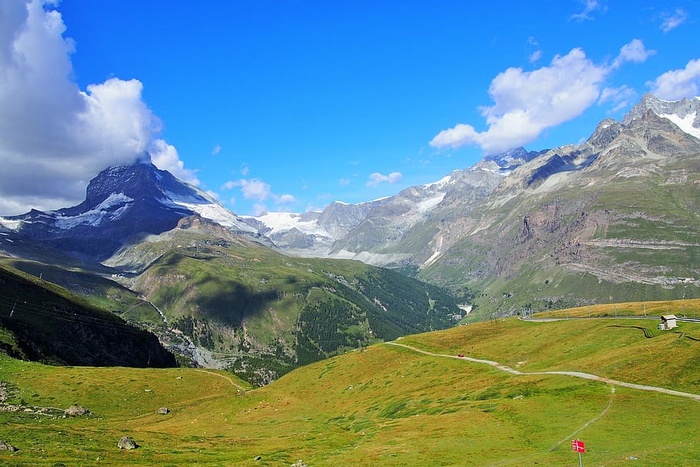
[290,105]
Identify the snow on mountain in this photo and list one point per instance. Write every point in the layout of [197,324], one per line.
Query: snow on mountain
[110,209]
[684,113]
[687,123]
[209,209]
[279,222]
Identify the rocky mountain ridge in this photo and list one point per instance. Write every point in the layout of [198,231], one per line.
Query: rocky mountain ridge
[633,182]
[563,212]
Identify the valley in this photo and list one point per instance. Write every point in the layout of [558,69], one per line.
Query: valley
[390,404]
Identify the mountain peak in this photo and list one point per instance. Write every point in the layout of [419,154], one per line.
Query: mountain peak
[684,113]
[122,202]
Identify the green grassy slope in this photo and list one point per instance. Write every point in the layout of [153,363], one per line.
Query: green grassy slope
[385,405]
[263,313]
[605,238]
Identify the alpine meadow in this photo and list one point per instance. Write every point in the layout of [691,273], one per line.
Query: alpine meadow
[349,233]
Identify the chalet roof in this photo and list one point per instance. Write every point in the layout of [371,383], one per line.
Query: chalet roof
[668,317]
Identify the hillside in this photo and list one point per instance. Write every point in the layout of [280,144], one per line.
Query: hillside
[42,322]
[164,255]
[387,404]
[232,303]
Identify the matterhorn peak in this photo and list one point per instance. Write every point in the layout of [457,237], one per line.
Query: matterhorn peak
[143,158]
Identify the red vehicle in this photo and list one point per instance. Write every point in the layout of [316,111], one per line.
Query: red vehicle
[461,355]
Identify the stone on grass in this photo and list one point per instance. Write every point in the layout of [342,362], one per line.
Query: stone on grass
[127,443]
[76,411]
[5,446]
[163,411]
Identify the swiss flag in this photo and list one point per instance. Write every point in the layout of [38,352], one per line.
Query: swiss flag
[578,445]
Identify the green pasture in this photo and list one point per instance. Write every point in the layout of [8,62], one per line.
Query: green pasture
[384,405]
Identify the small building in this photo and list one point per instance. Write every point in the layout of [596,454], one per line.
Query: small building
[668,322]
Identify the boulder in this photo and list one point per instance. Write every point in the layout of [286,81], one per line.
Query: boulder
[5,446]
[127,443]
[163,411]
[75,411]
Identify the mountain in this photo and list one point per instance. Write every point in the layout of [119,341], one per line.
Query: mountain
[165,256]
[228,302]
[614,218]
[123,205]
[388,231]
[46,323]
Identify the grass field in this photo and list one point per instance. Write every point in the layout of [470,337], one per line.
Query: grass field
[385,405]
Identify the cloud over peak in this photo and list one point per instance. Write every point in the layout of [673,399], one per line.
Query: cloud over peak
[54,137]
[528,102]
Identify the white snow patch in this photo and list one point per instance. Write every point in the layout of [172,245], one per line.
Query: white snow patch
[685,123]
[10,224]
[440,183]
[430,203]
[214,212]
[95,216]
[282,221]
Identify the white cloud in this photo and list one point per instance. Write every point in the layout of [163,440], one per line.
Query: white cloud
[252,189]
[678,84]
[634,52]
[165,157]
[528,102]
[621,97]
[54,137]
[216,150]
[673,20]
[537,54]
[589,7]
[376,179]
[285,199]
[344,182]
[244,170]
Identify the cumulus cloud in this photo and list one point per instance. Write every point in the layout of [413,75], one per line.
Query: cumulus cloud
[528,102]
[254,188]
[634,52]
[673,20]
[216,150]
[165,157]
[678,84]
[54,137]
[377,179]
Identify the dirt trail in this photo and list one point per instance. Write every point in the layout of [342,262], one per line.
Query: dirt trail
[576,374]
[233,383]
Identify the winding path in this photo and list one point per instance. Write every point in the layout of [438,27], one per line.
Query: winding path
[576,374]
[233,383]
